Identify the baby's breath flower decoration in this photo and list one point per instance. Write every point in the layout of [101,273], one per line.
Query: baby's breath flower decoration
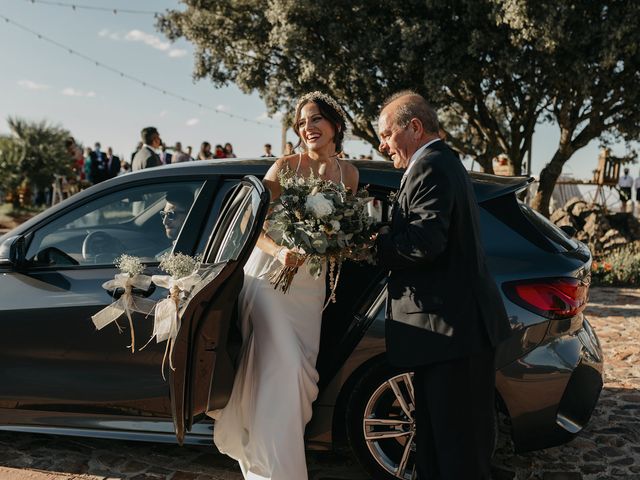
[130,265]
[130,277]
[323,219]
[182,278]
[179,265]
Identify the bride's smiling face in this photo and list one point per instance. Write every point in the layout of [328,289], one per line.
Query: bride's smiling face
[315,130]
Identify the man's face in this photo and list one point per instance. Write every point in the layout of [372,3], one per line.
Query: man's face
[156,141]
[173,216]
[395,141]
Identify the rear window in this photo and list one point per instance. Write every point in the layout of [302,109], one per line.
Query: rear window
[550,230]
[529,224]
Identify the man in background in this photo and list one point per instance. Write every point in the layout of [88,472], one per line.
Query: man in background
[98,165]
[267,151]
[113,164]
[147,157]
[625,183]
[178,155]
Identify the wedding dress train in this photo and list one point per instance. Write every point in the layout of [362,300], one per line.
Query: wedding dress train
[262,426]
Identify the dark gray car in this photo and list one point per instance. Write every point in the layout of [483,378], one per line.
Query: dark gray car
[59,375]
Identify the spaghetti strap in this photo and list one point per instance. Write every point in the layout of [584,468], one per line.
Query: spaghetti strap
[299,161]
[340,168]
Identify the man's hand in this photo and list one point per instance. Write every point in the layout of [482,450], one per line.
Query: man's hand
[383,230]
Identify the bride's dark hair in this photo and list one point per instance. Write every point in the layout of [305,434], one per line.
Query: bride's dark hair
[329,109]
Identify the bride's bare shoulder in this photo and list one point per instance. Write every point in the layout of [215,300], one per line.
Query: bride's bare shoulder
[288,162]
[351,174]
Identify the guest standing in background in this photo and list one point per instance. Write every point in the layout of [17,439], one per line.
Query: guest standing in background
[147,156]
[113,164]
[228,150]
[178,155]
[219,153]
[625,184]
[205,152]
[267,151]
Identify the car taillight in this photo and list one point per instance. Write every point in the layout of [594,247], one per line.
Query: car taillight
[554,298]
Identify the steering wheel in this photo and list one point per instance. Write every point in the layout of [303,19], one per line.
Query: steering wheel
[100,243]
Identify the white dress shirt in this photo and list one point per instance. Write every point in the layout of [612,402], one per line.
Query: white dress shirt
[625,181]
[415,155]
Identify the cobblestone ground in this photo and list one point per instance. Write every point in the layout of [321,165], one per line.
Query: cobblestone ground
[609,448]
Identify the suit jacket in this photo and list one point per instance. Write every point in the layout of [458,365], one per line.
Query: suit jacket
[442,301]
[145,158]
[114,168]
[97,167]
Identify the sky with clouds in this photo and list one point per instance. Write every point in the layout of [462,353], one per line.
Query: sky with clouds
[43,81]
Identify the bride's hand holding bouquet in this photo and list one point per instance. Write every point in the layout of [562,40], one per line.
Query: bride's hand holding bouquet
[318,221]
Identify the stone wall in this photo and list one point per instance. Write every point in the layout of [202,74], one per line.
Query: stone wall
[601,230]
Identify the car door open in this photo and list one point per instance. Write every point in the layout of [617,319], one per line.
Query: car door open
[204,372]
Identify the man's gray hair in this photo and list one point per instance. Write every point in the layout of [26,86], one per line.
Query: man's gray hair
[414,106]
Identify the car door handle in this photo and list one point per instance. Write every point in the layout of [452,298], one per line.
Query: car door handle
[117,293]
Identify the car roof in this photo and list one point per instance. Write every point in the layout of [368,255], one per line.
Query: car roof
[379,172]
[374,172]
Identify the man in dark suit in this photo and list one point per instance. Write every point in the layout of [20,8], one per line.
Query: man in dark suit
[147,157]
[445,313]
[97,165]
[113,164]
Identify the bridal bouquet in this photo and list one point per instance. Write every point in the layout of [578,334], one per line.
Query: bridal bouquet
[325,221]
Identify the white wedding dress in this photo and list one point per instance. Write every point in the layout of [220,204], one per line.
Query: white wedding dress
[262,426]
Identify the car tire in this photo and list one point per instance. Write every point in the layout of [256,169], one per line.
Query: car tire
[378,427]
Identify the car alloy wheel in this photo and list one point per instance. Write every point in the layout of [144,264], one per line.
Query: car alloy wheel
[380,423]
[389,427]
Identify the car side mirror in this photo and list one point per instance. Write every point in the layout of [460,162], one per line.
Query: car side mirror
[569,230]
[13,251]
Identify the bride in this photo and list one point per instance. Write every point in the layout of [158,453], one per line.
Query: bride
[263,424]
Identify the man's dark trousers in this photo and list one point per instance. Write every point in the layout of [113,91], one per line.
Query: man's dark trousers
[455,424]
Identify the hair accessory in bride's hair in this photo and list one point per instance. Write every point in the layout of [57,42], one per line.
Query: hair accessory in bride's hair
[313,96]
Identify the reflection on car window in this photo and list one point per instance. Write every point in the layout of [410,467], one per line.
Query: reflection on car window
[246,204]
[121,211]
[143,221]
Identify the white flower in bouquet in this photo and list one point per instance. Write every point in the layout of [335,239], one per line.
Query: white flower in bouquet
[335,225]
[319,205]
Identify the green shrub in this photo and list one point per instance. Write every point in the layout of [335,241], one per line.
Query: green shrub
[618,267]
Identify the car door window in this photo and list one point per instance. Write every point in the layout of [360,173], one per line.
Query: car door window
[143,220]
[232,233]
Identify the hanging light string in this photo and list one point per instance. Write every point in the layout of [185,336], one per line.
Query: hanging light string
[76,6]
[139,81]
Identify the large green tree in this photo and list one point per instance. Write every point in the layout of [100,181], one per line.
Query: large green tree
[35,152]
[361,51]
[593,48]
[11,156]
[494,68]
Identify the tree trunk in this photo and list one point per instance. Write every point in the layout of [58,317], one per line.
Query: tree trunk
[485,162]
[548,178]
